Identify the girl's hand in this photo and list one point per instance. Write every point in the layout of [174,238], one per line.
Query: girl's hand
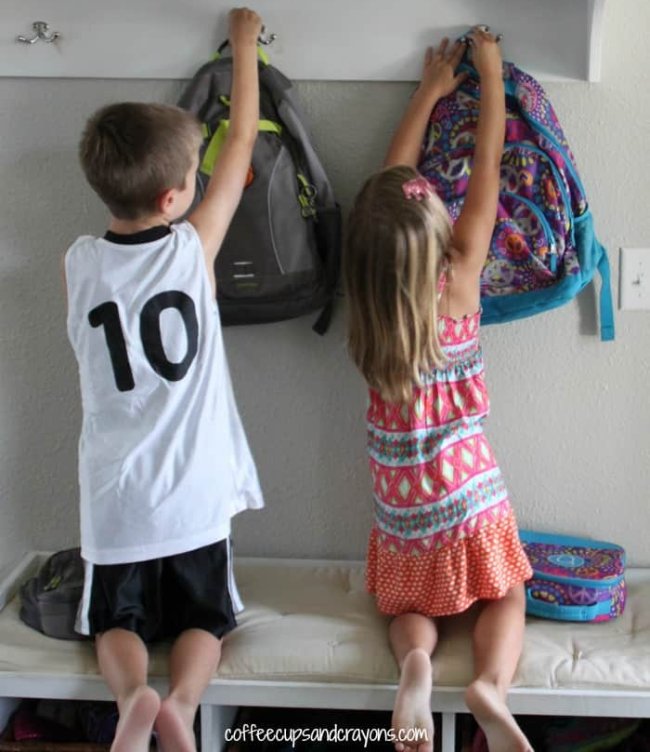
[245,26]
[439,70]
[486,54]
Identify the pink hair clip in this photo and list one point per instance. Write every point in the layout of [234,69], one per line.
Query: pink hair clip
[417,188]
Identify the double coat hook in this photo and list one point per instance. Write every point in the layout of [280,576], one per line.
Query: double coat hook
[41,34]
[265,38]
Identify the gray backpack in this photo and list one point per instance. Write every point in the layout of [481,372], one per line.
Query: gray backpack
[49,601]
[281,255]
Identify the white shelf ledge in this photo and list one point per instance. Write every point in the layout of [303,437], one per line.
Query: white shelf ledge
[367,40]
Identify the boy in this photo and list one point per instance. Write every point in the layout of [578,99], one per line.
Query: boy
[163,460]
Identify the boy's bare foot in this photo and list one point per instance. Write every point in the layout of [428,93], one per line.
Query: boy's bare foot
[492,715]
[412,713]
[137,715]
[175,727]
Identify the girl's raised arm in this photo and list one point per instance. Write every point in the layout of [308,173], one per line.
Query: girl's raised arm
[473,229]
[438,80]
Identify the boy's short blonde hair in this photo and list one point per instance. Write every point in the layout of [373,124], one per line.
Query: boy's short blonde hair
[131,152]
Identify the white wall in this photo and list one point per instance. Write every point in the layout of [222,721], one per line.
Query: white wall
[570,416]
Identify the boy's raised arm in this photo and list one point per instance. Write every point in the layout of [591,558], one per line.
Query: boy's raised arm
[212,216]
[475,225]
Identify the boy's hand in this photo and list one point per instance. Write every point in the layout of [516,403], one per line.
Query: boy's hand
[245,27]
[439,70]
[486,54]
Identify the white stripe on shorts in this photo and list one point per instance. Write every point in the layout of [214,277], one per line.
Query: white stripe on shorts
[82,623]
[237,604]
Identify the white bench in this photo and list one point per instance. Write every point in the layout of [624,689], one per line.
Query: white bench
[310,637]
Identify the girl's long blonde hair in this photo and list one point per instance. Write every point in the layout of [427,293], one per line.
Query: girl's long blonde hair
[394,254]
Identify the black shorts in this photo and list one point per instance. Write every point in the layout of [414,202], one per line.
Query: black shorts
[160,598]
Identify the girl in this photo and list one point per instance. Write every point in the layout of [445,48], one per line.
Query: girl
[444,535]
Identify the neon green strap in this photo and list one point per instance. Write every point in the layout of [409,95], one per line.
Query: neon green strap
[270,126]
[219,136]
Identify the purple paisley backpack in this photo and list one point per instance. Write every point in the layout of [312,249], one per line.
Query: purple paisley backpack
[544,249]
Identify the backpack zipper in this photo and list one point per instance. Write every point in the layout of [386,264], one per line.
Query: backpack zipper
[547,134]
[558,179]
[548,232]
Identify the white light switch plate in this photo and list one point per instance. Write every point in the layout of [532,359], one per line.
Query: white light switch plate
[635,279]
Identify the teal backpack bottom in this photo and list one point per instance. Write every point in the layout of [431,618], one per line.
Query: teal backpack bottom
[593,257]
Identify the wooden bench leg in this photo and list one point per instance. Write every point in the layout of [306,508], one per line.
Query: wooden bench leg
[448,732]
[215,719]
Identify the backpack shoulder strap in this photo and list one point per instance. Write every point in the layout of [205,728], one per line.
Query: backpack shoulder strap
[607,332]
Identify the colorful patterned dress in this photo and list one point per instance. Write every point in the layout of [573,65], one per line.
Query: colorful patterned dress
[444,534]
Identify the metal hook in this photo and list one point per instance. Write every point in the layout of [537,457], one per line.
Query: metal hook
[41,28]
[466,39]
[266,40]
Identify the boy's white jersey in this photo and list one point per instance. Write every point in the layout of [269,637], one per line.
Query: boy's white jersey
[163,459]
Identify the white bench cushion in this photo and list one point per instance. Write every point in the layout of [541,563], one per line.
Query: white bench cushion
[314,622]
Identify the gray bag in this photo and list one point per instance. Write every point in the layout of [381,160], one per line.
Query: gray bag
[281,255]
[49,601]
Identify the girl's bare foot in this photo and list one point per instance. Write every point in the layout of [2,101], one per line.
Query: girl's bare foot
[175,726]
[138,712]
[492,715]
[412,713]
